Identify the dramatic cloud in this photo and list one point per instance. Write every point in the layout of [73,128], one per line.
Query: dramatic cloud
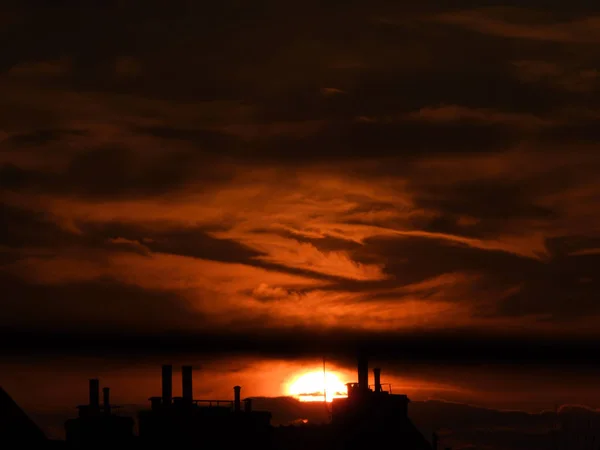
[274,172]
[528,25]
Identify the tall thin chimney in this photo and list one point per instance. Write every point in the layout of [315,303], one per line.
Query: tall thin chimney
[186,384]
[237,403]
[106,399]
[377,377]
[94,393]
[167,384]
[363,372]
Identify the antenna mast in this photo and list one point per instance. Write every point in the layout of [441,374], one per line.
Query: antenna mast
[325,391]
[324,383]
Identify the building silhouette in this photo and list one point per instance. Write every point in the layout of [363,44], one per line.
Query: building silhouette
[16,426]
[577,432]
[210,423]
[97,426]
[370,417]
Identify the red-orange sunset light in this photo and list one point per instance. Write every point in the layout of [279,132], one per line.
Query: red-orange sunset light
[316,386]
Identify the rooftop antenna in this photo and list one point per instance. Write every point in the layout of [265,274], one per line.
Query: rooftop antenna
[324,383]
[325,391]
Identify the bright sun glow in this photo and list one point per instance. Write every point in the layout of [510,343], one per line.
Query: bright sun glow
[308,387]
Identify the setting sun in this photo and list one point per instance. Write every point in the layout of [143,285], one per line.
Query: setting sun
[308,387]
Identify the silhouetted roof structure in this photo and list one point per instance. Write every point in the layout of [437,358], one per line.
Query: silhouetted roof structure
[217,424]
[370,418]
[16,428]
[97,427]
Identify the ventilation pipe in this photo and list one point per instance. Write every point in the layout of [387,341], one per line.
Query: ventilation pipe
[377,377]
[167,384]
[106,399]
[237,404]
[186,384]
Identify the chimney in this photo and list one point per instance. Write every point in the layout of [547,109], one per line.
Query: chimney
[186,384]
[106,395]
[94,392]
[248,405]
[377,377]
[435,441]
[363,372]
[236,399]
[167,384]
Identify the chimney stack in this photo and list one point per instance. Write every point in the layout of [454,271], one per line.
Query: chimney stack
[106,395]
[237,406]
[94,393]
[248,405]
[186,384]
[167,384]
[377,377]
[363,372]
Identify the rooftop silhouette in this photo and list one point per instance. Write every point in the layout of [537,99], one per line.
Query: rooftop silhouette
[15,424]
[97,426]
[217,423]
[370,416]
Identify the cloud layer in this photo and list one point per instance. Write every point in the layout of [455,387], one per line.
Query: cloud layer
[283,167]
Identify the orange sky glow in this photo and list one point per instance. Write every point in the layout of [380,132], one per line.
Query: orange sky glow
[316,386]
[286,183]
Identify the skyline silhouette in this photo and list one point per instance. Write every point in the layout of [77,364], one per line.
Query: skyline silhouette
[251,187]
[186,419]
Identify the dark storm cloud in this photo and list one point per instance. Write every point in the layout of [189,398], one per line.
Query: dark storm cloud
[195,242]
[372,140]
[206,138]
[113,172]
[387,91]
[166,238]
[494,202]
[359,138]
[560,289]
[13,177]
[429,258]
[41,137]
[528,24]
[90,307]
[21,228]
[451,347]
[564,289]
[581,132]
[386,78]
[120,172]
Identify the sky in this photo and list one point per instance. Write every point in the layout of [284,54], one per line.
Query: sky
[299,178]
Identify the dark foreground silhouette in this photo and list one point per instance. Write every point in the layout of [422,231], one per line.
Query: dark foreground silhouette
[459,426]
[369,417]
